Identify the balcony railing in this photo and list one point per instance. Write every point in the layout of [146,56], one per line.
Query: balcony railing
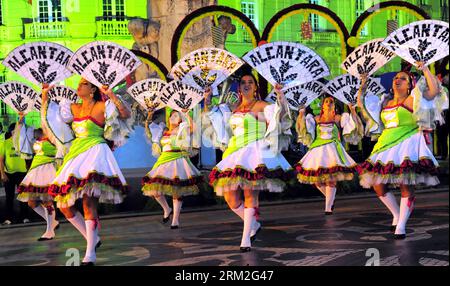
[323,37]
[112,28]
[2,32]
[45,30]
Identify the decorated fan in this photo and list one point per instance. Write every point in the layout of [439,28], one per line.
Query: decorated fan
[40,62]
[345,88]
[207,67]
[179,96]
[300,96]
[422,41]
[367,58]
[285,63]
[19,96]
[57,94]
[104,63]
[147,93]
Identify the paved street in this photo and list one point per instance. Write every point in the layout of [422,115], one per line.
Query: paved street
[294,234]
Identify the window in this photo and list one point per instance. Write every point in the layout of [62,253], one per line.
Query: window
[1,16]
[360,8]
[314,18]
[49,10]
[248,8]
[114,10]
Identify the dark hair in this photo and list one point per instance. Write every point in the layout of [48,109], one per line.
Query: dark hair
[97,93]
[38,132]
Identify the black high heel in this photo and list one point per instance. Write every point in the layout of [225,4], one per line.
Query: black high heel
[174,227]
[44,238]
[87,264]
[245,249]
[253,238]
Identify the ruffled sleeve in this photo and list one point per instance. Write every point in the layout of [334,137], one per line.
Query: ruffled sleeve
[352,129]
[116,128]
[307,131]
[215,126]
[428,112]
[154,133]
[371,112]
[23,140]
[279,126]
[55,121]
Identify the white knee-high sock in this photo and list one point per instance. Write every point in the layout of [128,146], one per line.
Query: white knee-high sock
[163,203]
[78,222]
[406,207]
[240,212]
[50,218]
[329,198]
[176,212]
[391,203]
[249,218]
[92,238]
[40,210]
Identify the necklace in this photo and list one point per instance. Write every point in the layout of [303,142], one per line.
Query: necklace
[249,106]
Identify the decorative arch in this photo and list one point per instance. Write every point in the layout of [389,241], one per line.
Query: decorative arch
[378,8]
[153,62]
[329,15]
[203,12]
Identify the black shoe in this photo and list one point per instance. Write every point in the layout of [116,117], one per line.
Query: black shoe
[393,227]
[87,264]
[399,236]
[245,249]
[44,238]
[174,227]
[328,213]
[99,243]
[166,219]
[252,238]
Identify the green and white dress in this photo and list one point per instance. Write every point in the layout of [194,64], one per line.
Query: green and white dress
[326,160]
[35,185]
[89,168]
[173,174]
[401,155]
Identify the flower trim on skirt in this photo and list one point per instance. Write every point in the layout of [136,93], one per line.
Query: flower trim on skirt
[407,173]
[158,186]
[324,175]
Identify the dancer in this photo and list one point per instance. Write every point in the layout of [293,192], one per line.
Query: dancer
[401,156]
[252,161]
[34,187]
[173,174]
[89,171]
[326,162]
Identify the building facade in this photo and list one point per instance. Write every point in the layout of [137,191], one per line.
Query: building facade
[71,23]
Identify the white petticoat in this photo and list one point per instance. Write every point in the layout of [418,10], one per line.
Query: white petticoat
[40,177]
[325,156]
[412,149]
[254,155]
[97,159]
[180,169]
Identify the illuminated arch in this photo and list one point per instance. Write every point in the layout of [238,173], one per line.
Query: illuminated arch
[326,13]
[380,7]
[201,13]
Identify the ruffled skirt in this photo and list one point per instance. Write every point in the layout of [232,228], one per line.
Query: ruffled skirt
[322,165]
[409,163]
[255,167]
[175,178]
[36,184]
[94,173]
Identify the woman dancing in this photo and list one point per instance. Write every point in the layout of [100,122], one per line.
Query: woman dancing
[252,161]
[326,162]
[34,187]
[173,174]
[89,171]
[401,156]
